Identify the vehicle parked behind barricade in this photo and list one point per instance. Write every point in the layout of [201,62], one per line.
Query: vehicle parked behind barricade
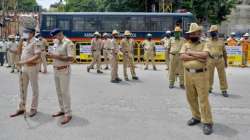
[80,26]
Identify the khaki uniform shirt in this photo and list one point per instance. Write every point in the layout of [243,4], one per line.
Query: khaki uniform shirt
[175,45]
[64,48]
[165,42]
[126,46]
[96,45]
[149,45]
[115,46]
[216,47]
[30,49]
[13,46]
[107,44]
[194,64]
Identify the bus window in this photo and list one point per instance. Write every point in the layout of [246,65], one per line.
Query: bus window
[90,23]
[50,22]
[64,24]
[135,23]
[110,23]
[160,23]
[78,23]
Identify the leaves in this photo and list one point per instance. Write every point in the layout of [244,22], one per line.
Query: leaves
[212,11]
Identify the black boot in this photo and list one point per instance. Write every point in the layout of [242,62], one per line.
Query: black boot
[207,129]
[99,72]
[193,121]
[224,94]
[135,78]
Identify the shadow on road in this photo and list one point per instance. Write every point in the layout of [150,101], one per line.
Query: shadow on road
[75,122]
[224,130]
[233,96]
[39,120]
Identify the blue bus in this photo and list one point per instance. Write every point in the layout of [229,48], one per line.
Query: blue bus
[79,26]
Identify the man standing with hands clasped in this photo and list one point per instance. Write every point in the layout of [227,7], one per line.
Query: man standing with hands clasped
[194,55]
[62,56]
[30,59]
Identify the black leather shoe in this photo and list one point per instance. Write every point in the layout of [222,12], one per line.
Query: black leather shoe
[135,78]
[126,79]
[118,79]
[224,94]
[171,86]
[145,68]
[100,72]
[207,129]
[106,68]
[193,121]
[210,91]
[182,86]
[88,69]
[33,112]
[154,68]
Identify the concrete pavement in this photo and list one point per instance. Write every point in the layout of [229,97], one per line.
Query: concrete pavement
[136,110]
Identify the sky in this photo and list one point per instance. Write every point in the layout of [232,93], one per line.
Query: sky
[46,3]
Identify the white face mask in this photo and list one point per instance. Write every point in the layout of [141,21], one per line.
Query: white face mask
[25,35]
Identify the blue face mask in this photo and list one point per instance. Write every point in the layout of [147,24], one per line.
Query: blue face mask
[213,34]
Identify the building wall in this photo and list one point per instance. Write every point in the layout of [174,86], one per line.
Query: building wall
[239,20]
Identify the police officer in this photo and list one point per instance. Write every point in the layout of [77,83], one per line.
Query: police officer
[232,41]
[194,55]
[217,59]
[13,56]
[30,57]
[149,50]
[43,44]
[96,48]
[176,66]
[127,56]
[62,56]
[114,57]
[106,50]
[245,44]
[165,44]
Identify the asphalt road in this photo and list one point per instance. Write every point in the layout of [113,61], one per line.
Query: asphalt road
[136,110]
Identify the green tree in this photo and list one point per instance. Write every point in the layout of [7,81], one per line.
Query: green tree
[27,5]
[211,11]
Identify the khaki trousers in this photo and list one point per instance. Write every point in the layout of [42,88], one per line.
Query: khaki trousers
[14,58]
[149,55]
[128,60]
[176,67]
[62,81]
[28,74]
[219,64]
[244,58]
[197,95]
[107,57]
[114,67]
[96,60]
[167,58]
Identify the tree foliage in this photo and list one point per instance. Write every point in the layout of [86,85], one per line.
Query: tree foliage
[212,11]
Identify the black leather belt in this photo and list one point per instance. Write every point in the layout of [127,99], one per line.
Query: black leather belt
[196,70]
[216,57]
[61,67]
[174,54]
